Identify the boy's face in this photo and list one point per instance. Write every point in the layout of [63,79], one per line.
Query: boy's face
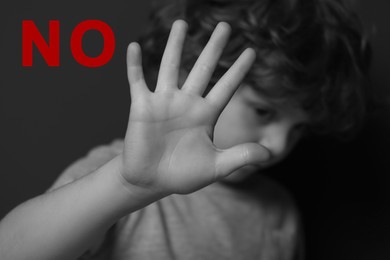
[251,117]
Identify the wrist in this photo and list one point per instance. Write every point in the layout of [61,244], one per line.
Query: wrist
[132,197]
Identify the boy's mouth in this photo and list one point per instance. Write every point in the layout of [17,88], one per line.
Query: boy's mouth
[242,173]
[250,169]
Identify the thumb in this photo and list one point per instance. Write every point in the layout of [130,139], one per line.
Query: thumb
[239,156]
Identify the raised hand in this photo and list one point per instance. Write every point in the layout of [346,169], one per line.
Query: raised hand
[169,140]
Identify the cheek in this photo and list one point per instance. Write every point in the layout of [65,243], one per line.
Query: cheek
[232,128]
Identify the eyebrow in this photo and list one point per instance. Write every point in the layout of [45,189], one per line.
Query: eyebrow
[277,104]
[262,98]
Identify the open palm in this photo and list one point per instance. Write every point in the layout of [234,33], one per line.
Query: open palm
[168,144]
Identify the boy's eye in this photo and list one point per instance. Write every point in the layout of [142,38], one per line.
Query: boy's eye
[264,114]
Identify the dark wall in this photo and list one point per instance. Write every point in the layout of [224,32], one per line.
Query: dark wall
[52,116]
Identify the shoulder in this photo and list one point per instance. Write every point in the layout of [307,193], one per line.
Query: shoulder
[95,158]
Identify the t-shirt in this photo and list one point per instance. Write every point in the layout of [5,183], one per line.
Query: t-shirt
[253,220]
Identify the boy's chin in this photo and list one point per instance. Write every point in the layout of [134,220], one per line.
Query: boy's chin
[241,174]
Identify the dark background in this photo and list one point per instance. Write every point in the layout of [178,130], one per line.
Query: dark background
[52,116]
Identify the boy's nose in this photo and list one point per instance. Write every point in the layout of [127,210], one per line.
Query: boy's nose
[276,139]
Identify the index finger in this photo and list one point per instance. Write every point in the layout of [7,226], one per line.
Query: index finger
[170,64]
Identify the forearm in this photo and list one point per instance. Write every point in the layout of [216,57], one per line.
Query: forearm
[61,224]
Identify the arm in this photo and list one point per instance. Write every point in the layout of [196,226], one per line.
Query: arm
[168,149]
[63,223]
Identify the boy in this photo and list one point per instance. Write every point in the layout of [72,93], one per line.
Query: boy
[184,183]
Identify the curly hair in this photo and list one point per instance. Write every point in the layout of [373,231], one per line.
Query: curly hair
[312,51]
